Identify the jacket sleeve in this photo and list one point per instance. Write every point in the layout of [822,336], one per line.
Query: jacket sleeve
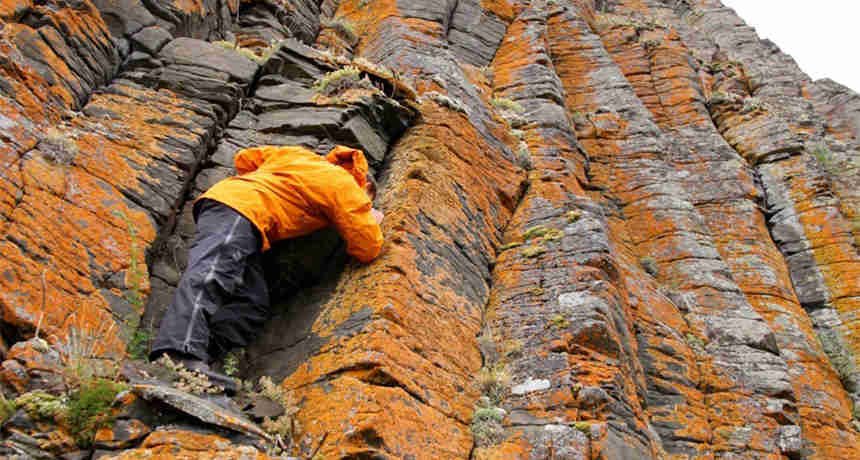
[348,208]
[248,160]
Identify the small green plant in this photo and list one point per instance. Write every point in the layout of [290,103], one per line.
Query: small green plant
[342,27]
[651,44]
[7,409]
[89,409]
[823,156]
[487,429]
[721,97]
[80,354]
[261,58]
[446,101]
[137,344]
[231,364]
[752,104]
[503,103]
[493,381]
[378,69]
[649,265]
[286,428]
[341,80]
[524,157]
[533,251]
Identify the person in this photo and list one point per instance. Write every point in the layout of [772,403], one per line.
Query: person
[222,300]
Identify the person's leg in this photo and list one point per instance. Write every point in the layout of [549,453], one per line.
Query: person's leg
[241,319]
[223,243]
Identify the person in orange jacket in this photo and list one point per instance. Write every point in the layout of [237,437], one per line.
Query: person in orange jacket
[280,192]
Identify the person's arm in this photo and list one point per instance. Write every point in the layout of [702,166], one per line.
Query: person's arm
[351,212]
[248,160]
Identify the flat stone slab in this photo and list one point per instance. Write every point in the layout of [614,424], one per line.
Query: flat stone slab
[200,408]
[198,53]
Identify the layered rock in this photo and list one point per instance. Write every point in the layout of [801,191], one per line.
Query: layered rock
[615,229]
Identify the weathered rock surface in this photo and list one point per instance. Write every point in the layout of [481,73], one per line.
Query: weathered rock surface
[614,229]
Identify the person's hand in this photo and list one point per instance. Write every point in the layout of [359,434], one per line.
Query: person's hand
[377,214]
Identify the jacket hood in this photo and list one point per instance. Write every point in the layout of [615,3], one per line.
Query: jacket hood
[352,160]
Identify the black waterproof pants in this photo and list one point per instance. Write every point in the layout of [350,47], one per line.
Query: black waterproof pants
[222,301]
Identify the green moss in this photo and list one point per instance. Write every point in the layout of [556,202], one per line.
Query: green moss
[89,409]
[41,405]
[573,216]
[584,427]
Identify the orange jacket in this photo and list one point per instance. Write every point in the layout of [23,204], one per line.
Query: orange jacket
[290,191]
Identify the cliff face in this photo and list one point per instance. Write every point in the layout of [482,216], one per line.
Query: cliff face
[620,229]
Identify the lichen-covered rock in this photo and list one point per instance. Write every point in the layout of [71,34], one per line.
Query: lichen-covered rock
[187,445]
[614,229]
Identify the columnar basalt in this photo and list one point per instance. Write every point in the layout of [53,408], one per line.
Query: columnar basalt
[614,229]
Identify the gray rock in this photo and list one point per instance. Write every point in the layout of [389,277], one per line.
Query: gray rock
[124,17]
[199,408]
[151,39]
[197,53]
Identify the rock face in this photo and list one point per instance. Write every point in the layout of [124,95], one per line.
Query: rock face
[614,229]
